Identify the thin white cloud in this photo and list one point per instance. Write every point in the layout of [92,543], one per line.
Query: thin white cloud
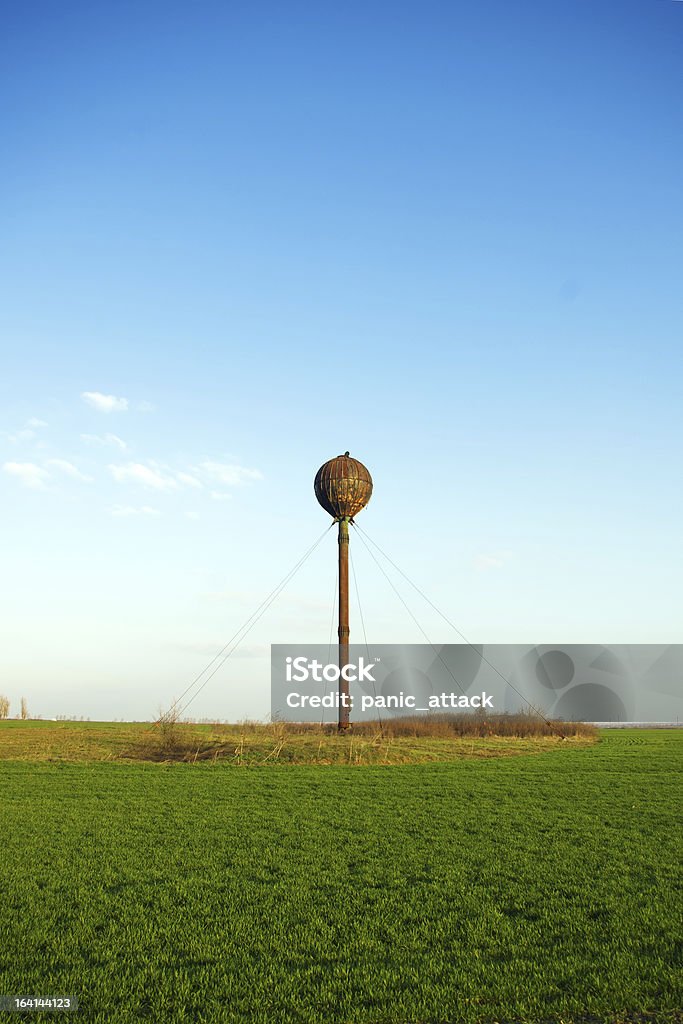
[30,475]
[131,510]
[210,476]
[149,476]
[69,469]
[112,440]
[145,407]
[104,403]
[21,435]
[483,563]
[189,480]
[27,432]
[229,474]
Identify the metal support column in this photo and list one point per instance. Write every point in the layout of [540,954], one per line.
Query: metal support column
[343,631]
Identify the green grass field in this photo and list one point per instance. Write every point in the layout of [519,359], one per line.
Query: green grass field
[529,888]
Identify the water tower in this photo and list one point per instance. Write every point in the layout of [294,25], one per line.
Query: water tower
[343,487]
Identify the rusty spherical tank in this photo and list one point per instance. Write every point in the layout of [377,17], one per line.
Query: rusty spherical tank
[343,486]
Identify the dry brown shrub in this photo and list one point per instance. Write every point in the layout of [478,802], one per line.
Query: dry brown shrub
[519,725]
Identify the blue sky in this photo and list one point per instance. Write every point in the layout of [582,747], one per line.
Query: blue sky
[446,237]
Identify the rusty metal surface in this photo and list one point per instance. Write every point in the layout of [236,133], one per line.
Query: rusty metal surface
[343,486]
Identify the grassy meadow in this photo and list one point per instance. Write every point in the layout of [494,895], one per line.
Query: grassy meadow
[540,887]
[395,741]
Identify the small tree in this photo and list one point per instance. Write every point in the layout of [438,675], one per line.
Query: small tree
[24,708]
[4,706]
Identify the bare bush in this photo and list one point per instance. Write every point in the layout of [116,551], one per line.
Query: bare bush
[171,738]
